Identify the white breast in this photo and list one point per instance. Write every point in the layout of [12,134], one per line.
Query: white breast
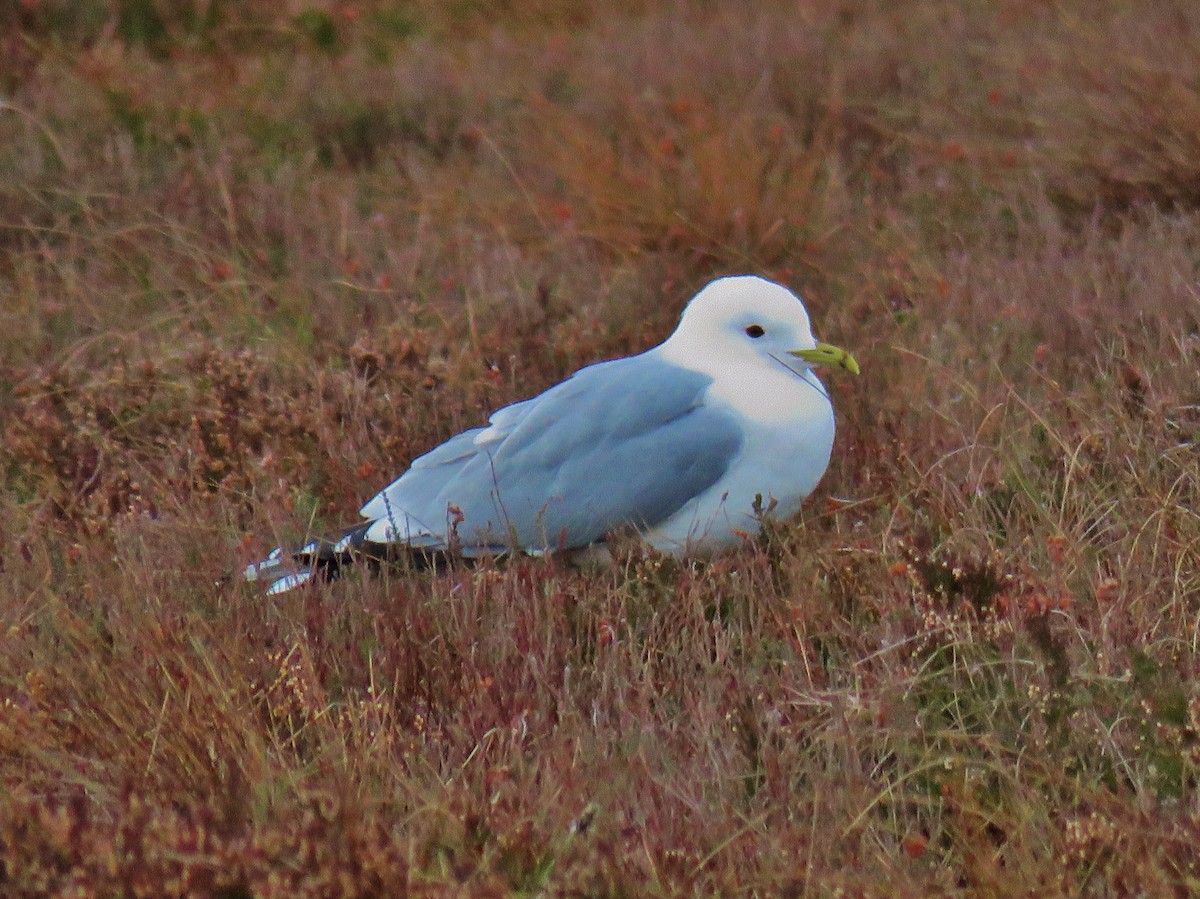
[789,435]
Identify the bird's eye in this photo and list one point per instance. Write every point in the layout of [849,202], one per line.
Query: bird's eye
[755,331]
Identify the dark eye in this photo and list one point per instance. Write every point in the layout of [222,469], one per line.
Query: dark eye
[755,331]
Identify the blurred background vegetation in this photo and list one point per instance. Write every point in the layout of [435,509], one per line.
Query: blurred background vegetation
[256,256]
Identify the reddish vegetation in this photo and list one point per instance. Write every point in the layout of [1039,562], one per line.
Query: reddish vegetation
[251,265]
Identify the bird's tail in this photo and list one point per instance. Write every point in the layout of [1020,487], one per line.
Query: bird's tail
[328,558]
[323,559]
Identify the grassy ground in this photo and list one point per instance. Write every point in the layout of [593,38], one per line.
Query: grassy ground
[254,257]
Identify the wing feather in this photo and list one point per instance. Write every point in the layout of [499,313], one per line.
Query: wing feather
[627,442]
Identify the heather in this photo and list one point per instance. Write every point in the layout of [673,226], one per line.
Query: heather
[256,257]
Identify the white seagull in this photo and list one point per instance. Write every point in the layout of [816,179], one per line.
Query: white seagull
[687,443]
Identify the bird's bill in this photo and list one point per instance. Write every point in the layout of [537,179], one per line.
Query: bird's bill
[827,354]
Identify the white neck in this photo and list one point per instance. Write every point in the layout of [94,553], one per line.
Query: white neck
[758,387]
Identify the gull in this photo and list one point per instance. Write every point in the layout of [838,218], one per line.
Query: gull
[687,444]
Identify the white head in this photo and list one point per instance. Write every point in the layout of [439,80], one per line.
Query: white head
[747,320]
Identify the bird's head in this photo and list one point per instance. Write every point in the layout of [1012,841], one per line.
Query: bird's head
[745,318]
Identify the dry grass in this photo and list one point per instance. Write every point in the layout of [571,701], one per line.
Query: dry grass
[251,265]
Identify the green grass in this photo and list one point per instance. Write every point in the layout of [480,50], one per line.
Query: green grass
[254,260]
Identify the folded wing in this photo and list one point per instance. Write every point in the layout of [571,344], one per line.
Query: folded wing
[621,443]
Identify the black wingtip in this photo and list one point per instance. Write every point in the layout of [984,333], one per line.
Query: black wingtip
[289,582]
[324,559]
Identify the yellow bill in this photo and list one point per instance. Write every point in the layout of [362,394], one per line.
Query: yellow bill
[827,354]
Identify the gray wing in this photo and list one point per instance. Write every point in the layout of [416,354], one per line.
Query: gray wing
[627,442]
